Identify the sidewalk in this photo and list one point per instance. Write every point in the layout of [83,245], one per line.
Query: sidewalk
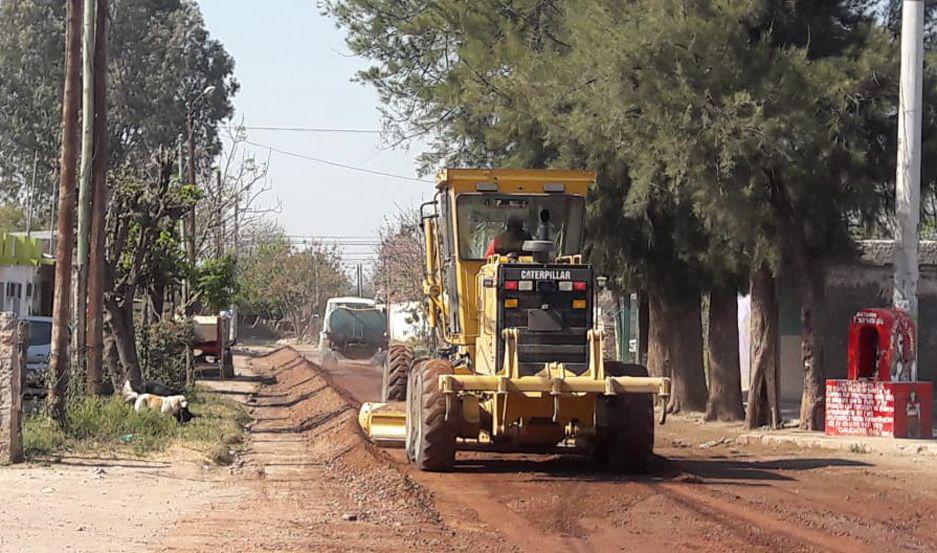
[852,444]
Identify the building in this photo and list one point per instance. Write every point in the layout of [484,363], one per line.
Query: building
[26,275]
[849,285]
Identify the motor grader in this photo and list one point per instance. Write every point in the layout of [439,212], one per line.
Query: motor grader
[517,363]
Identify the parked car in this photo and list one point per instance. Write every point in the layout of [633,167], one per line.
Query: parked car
[37,353]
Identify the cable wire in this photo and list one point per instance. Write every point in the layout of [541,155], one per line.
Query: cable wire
[336,164]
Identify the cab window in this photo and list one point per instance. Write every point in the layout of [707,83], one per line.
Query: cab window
[482,217]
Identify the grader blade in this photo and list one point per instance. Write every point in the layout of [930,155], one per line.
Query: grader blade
[384,423]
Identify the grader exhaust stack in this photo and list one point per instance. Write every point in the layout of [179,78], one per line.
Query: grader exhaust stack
[520,360]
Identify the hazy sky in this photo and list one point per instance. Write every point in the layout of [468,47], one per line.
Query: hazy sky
[295,71]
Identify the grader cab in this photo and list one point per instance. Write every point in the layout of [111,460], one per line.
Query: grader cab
[517,363]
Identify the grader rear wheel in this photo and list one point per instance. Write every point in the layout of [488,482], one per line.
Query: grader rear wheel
[624,425]
[395,372]
[430,438]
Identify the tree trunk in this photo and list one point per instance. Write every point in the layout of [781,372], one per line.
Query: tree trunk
[660,329]
[58,359]
[158,300]
[675,349]
[95,336]
[725,378]
[122,328]
[112,362]
[763,392]
[813,403]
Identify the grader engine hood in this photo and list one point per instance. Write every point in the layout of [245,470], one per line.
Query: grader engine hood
[551,306]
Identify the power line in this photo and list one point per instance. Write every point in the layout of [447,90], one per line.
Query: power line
[309,129]
[336,164]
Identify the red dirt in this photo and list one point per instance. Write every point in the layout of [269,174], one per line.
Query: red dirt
[310,482]
[702,499]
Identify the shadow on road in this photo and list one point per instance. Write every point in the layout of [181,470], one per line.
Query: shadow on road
[580,467]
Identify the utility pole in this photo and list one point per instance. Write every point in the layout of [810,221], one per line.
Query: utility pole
[53,202]
[220,229]
[359,280]
[58,359]
[189,358]
[84,185]
[237,228]
[908,181]
[96,260]
[190,216]
[29,196]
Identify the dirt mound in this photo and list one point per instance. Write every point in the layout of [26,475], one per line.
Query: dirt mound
[310,481]
[310,406]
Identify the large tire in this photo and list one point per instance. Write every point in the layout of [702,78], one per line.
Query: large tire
[431,439]
[624,425]
[394,373]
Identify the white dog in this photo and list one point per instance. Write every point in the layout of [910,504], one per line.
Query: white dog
[177,406]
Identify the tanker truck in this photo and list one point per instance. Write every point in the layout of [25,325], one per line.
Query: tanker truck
[353,328]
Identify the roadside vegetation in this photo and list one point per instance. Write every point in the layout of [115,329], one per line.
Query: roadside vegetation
[107,425]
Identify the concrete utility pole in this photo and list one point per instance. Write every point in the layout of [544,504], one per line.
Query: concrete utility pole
[190,216]
[84,186]
[908,181]
[96,260]
[61,307]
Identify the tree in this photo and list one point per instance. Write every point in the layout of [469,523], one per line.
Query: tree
[231,197]
[478,77]
[12,217]
[279,282]
[161,56]
[61,307]
[727,136]
[143,246]
[401,258]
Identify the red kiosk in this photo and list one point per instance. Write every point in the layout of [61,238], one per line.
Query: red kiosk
[879,397]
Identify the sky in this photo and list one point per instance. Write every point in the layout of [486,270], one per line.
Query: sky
[296,71]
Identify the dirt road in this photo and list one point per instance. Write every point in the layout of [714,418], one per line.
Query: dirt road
[310,482]
[702,499]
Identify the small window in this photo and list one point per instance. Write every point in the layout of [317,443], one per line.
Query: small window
[11,289]
[19,289]
[29,289]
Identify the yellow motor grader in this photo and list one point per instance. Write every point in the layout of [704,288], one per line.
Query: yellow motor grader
[518,361]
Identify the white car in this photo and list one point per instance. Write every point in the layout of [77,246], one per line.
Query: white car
[37,353]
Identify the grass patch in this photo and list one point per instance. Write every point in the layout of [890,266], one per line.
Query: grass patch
[99,425]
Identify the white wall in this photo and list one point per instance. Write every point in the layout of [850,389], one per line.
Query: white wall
[24,276]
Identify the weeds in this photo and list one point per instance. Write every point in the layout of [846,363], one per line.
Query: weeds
[106,424]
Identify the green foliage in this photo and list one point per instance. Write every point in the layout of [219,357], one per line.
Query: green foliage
[279,282]
[42,436]
[98,424]
[160,57]
[216,282]
[716,126]
[12,218]
[162,349]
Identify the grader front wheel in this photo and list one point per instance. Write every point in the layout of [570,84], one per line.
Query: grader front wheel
[431,439]
[624,425]
[394,373]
